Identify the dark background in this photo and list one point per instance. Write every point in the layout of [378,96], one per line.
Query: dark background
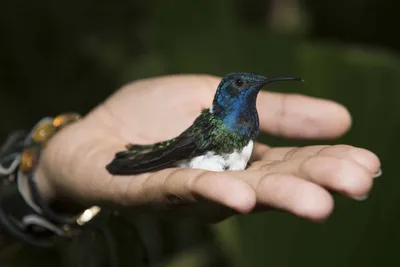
[58,56]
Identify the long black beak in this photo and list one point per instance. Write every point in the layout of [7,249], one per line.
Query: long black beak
[279,79]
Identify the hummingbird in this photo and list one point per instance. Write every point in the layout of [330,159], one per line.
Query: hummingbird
[221,138]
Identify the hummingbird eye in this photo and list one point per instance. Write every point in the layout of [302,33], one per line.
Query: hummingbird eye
[239,82]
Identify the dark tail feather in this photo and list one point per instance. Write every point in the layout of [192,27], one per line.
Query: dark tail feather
[149,158]
[120,166]
[127,167]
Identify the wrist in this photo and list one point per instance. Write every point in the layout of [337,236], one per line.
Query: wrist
[56,200]
[51,174]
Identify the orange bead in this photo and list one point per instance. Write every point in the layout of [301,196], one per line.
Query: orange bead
[43,132]
[65,118]
[28,159]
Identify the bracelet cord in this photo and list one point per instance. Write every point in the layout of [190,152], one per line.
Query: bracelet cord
[9,152]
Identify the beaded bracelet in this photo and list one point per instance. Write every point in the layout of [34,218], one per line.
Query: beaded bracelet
[19,158]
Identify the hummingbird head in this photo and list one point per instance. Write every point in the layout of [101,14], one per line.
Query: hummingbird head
[240,89]
[235,101]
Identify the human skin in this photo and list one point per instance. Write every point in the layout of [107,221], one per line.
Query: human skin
[298,180]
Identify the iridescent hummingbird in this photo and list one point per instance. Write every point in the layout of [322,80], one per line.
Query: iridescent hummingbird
[221,138]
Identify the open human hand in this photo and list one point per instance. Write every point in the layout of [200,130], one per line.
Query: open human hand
[293,179]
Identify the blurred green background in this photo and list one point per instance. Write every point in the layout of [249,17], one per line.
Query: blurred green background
[58,56]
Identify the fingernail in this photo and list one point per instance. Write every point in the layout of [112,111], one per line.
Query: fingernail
[378,174]
[361,198]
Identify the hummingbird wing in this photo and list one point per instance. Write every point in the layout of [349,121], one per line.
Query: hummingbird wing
[145,158]
[142,149]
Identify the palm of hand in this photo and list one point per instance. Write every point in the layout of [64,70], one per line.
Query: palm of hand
[153,110]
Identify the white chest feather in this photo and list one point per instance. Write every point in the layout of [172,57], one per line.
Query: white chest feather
[235,161]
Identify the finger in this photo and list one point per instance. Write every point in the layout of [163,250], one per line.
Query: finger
[344,176]
[297,116]
[361,156]
[289,193]
[189,184]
